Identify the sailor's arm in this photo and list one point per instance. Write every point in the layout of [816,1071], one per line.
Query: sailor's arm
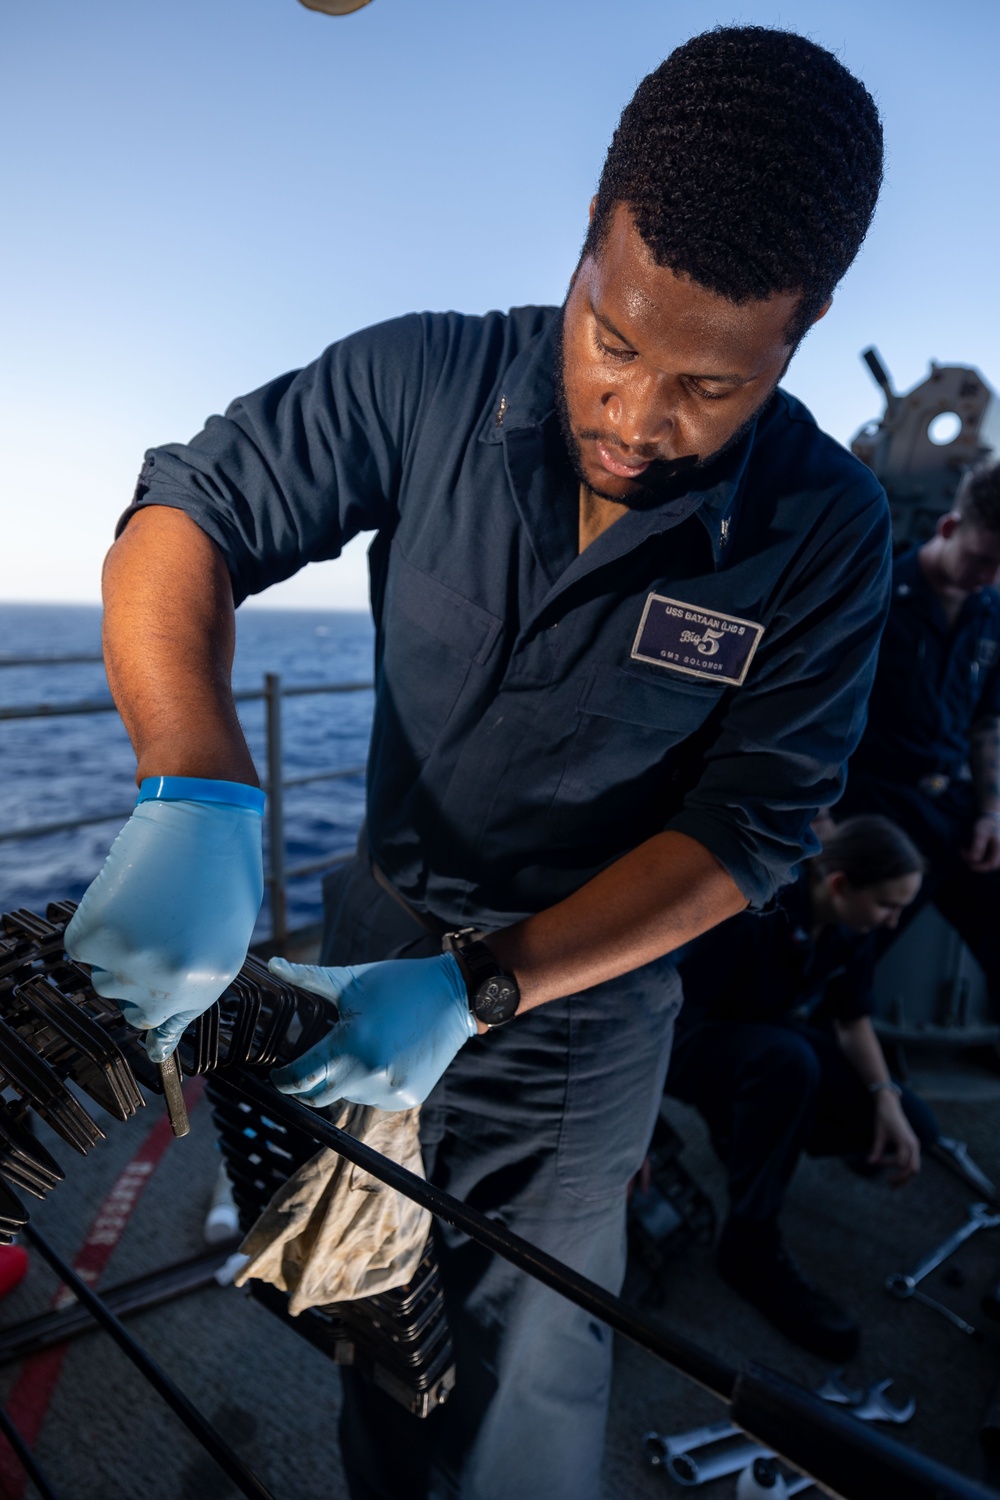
[402,1022]
[894,1142]
[166,924]
[659,896]
[169,636]
[286,477]
[983,854]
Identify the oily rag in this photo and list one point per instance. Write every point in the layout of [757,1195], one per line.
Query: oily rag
[332,1232]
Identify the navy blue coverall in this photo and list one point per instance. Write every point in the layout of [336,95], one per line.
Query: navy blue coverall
[702,666]
[932,685]
[756,1054]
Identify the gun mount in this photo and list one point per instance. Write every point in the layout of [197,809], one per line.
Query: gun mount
[925,440]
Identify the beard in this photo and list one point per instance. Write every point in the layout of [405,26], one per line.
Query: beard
[664,479]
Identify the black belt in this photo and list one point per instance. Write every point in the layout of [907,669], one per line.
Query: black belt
[424,919]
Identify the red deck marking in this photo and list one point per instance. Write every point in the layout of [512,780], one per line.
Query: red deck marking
[32,1392]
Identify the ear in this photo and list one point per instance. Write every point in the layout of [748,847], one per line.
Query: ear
[593,207]
[823,310]
[837,882]
[949,524]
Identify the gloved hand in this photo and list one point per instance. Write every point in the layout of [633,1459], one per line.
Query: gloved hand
[401,1023]
[167,923]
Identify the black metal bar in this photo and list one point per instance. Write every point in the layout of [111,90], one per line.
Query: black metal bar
[244,1479]
[25,1456]
[66,825]
[768,1407]
[47,661]
[314,866]
[39,830]
[54,710]
[107,705]
[33,1335]
[879,373]
[697,1363]
[319,776]
[845,1455]
[305,690]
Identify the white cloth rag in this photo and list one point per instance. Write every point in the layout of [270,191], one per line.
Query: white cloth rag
[333,1232]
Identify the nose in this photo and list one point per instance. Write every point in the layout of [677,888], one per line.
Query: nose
[641,412]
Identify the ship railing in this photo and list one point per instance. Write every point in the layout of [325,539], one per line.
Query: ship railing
[278,873]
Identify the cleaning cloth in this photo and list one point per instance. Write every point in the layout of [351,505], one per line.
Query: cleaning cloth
[332,1232]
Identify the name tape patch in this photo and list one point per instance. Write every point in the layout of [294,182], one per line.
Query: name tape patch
[698,642]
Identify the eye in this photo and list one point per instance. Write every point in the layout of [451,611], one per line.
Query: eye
[621,355]
[702,391]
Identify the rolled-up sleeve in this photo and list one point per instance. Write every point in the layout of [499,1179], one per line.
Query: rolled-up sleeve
[786,736]
[295,469]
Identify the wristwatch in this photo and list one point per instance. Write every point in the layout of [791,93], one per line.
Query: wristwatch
[494,995]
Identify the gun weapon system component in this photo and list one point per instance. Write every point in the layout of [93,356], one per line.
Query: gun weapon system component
[919,465]
[58,1036]
[399,1338]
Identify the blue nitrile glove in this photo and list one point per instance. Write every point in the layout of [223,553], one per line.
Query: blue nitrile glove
[401,1023]
[167,923]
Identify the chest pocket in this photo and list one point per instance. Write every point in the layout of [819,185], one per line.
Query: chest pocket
[616,778]
[433,637]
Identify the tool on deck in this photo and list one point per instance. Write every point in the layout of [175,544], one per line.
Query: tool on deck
[956,1157]
[763,1480]
[868,1405]
[904,1284]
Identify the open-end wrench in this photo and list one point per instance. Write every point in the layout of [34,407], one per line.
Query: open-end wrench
[946,1312]
[903,1283]
[834,1390]
[955,1155]
[875,1408]
[867,1405]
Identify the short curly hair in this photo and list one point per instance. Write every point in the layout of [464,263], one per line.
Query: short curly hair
[750,160]
[978,498]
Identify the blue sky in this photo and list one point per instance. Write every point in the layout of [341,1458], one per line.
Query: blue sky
[200,194]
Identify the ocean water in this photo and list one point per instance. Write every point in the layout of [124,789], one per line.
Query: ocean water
[66,767]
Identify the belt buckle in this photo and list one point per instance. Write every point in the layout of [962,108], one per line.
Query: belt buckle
[935,784]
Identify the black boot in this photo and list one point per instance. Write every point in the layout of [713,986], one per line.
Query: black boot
[755,1263]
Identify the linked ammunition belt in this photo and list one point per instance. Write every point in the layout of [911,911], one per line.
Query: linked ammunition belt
[55,1030]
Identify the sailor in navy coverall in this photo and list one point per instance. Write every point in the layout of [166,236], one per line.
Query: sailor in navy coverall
[930,756]
[774,1047]
[627,599]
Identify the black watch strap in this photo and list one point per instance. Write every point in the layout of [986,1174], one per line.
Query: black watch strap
[494,995]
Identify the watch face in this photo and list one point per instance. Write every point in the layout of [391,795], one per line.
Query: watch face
[497,1000]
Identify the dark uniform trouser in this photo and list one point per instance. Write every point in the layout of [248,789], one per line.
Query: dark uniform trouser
[543,1123]
[941,828]
[769,1091]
